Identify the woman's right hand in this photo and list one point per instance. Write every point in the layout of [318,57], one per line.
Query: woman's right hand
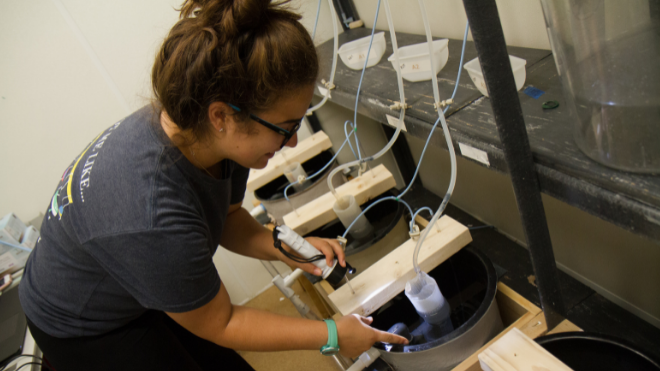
[356,336]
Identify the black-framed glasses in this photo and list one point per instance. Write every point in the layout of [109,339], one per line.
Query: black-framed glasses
[288,134]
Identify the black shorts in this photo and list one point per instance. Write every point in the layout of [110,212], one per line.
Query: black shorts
[151,342]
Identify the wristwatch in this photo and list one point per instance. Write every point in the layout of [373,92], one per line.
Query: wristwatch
[332,347]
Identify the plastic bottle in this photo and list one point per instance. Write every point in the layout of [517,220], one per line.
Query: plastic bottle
[424,293]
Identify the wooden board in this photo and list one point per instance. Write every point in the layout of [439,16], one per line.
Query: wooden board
[305,150]
[319,212]
[324,289]
[317,300]
[516,312]
[387,278]
[564,326]
[512,305]
[515,351]
[519,313]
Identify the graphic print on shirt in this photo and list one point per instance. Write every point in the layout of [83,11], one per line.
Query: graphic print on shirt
[63,196]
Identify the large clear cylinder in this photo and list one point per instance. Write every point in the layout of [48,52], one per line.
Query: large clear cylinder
[607,53]
[347,211]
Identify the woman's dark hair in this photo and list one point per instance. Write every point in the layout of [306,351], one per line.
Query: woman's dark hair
[245,52]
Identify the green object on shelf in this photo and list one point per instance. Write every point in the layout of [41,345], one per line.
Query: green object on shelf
[551,104]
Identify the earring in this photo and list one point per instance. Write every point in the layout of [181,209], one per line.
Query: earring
[221,130]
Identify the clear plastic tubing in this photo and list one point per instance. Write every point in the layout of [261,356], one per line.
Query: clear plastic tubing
[402,114]
[351,216]
[333,14]
[450,146]
[429,40]
[294,173]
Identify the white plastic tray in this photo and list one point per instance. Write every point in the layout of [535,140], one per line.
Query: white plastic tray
[476,74]
[415,62]
[354,53]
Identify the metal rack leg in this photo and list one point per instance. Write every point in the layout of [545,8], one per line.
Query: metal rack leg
[493,56]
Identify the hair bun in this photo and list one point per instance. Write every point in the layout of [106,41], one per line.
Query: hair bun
[231,16]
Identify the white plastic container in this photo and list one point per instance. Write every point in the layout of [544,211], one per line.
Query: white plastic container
[30,237]
[347,211]
[12,226]
[415,62]
[424,293]
[476,74]
[294,173]
[354,53]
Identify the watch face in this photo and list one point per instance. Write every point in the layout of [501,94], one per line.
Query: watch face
[329,351]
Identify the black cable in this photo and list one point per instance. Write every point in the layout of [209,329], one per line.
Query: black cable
[298,259]
[278,245]
[34,363]
[12,359]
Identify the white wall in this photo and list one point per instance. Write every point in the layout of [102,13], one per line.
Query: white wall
[70,69]
[522,20]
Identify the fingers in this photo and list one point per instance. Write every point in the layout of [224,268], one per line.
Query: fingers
[309,268]
[387,337]
[367,320]
[324,247]
[330,248]
[338,250]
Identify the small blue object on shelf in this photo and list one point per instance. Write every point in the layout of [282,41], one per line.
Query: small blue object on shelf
[533,92]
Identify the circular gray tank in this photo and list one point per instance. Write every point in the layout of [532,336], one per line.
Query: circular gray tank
[271,195]
[384,216]
[469,283]
[586,351]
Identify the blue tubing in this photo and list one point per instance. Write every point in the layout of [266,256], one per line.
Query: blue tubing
[318,12]
[322,170]
[357,96]
[15,246]
[460,65]
[412,222]
[374,204]
[348,135]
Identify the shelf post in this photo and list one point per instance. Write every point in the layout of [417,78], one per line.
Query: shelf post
[494,59]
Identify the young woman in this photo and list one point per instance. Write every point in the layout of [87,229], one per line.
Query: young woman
[122,277]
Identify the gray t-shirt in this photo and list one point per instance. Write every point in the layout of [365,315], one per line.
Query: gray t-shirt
[133,225]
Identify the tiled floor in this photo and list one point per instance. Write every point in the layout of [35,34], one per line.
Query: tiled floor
[273,301]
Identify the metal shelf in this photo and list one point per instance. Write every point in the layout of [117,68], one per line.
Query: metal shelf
[631,201]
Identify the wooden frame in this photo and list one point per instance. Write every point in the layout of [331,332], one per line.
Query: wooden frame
[387,278]
[516,312]
[515,351]
[305,150]
[318,212]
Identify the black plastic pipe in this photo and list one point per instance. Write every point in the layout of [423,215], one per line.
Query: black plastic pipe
[494,59]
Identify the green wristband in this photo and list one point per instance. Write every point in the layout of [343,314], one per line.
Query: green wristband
[332,347]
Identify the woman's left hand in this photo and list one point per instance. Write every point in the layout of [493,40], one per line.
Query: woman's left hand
[328,247]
